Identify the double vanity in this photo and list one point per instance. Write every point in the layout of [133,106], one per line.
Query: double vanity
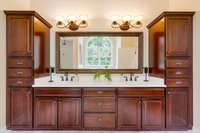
[99,105]
[99,82]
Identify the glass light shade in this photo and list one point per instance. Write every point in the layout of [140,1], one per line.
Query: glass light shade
[83,17]
[71,18]
[126,18]
[60,24]
[138,18]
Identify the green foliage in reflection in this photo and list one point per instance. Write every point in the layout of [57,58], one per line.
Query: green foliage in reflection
[106,73]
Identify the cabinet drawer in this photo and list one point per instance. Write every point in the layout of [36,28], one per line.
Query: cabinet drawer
[178,63]
[99,104]
[178,82]
[20,82]
[20,62]
[178,73]
[19,73]
[138,92]
[99,92]
[67,92]
[93,120]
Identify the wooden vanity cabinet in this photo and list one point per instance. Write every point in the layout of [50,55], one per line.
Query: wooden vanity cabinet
[129,113]
[45,113]
[140,108]
[176,62]
[153,113]
[20,67]
[177,108]
[20,108]
[57,108]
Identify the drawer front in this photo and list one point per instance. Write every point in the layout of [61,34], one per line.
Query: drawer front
[178,82]
[19,73]
[99,92]
[67,92]
[138,92]
[20,62]
[178,73]
[93,120]
[99,104]
[20,82]
[178,63]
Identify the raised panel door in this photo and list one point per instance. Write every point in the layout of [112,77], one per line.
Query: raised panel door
[153,114]
[45,113]
[69,115]
[129,113]
[21,108]
[177,108]
[19,30]
[178,36]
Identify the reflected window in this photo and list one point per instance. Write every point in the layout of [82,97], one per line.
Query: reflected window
[98,52]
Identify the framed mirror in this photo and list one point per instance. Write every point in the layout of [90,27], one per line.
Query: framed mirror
[87,52]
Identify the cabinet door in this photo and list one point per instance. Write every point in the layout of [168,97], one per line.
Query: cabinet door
[177,109]
[69,115]
[19,30]
[45,113]
[179,36]
[153,114]
[21,108]
[129,113]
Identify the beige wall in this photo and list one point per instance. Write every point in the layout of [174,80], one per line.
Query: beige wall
[99,12]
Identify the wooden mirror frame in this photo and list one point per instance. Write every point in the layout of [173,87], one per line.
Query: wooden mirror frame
[70,34]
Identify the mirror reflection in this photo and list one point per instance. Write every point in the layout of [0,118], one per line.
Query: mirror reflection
[99,52]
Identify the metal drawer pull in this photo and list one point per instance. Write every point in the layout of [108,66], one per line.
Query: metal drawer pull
[178,82]
[99,92]
[99,118]
[20,63]
[19,82]
[178,73]
[178,63]
[20,73]
[99,104]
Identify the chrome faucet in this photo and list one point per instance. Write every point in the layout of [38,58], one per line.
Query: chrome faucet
[131,77]
[136,78]
[72,78]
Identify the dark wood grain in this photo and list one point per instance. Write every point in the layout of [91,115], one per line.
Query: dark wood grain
[20,62]
[99,120]
[99,92]
[65,92]
[20,73]
[45,113]
[129,113]
[177,108]
[99,104]
[130,92]
[21,108]
[153,114]
[69,113]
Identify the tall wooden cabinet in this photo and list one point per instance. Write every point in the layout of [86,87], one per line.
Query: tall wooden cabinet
[174,63]
[21,27]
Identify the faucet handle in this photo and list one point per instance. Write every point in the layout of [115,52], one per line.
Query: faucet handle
[62,78]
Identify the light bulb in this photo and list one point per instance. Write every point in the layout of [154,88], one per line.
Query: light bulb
[127,18]
[138,18]
[83,17]
[115,18]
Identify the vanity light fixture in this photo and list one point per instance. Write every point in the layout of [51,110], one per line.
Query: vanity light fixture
[127,22]
[72,22]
